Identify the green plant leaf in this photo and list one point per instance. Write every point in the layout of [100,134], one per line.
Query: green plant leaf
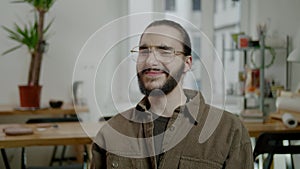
[10,32]
[28,34]
[40,5]
[48,26]
[12,49]
[25,36]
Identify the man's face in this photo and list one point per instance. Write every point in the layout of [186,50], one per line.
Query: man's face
[155,76]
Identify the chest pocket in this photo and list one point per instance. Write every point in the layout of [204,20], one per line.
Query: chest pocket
[115,161]
[193,163]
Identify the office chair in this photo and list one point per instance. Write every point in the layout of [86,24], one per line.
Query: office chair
[53,158]
[84,165]
[5,159]
[273,143]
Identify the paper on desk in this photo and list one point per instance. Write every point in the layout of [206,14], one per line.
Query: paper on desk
[288,103]
[289,120]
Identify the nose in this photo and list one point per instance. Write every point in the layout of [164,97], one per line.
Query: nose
[152,59]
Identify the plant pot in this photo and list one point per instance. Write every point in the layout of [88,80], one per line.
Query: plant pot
[30,96]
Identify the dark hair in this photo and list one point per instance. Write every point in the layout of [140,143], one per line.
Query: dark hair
[186,39]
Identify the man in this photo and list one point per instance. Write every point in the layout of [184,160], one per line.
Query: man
[168,127]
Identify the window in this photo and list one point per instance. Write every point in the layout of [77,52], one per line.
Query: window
[215,6]
[233,4]
[196,5]
[170,5]
[196,68]
[224,4]
[196,45]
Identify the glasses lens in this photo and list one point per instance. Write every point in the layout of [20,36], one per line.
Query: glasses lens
[140,54]
[134,53]
[165,54]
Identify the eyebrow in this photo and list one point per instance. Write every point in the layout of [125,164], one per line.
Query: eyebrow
[162,46]
[143,45]
[165,47]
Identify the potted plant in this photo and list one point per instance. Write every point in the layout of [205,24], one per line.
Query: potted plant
[32,36]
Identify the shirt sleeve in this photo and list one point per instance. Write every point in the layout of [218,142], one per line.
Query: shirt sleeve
[241,156]
[98,157]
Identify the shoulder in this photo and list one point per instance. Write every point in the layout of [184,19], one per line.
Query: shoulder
[232,119]
[119,135]
[119,124]
[221,123]
[234,122]
[121,119]
[237,132]
[217,134]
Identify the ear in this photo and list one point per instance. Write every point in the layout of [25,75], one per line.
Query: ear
[188,60]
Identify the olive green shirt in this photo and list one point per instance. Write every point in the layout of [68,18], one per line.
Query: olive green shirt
[197,136]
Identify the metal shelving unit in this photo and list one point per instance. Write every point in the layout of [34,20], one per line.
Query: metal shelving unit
[262,49]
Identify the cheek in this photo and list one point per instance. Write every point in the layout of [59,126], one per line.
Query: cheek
[139,67]
[175,66]
[179,60]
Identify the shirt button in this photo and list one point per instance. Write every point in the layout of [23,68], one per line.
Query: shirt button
[115,164]
[172,128]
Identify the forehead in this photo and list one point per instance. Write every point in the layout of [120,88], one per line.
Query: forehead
[162,35]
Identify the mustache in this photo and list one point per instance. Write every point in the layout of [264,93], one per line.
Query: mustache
[154,69]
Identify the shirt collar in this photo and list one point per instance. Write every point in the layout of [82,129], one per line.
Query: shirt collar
[194,101]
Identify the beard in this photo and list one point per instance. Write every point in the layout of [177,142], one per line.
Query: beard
[168,86]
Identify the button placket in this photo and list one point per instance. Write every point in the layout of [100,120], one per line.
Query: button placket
[169,132]
[172,128]
[115,164]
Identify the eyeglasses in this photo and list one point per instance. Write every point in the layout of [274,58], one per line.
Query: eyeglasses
[164,54]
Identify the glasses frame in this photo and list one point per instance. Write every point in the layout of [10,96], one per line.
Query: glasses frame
[173,51]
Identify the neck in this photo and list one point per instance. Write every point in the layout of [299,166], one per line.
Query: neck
[165,105]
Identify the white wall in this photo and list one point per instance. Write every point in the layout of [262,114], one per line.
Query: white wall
[226,22]
[75,21]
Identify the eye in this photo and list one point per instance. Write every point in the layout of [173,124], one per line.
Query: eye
[164,49]
[144,51]
[143,47]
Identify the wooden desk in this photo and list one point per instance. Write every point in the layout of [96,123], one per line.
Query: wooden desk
[68,133]
[255,129]
[73,133]
[64,134]
[66,109]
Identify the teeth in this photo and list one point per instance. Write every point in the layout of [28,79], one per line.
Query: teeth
[153,69]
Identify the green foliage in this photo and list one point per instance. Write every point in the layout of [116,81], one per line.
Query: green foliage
[40,5]
[25,36]
[32,36]
[28,34]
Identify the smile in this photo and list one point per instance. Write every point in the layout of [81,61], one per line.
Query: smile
[153,72]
